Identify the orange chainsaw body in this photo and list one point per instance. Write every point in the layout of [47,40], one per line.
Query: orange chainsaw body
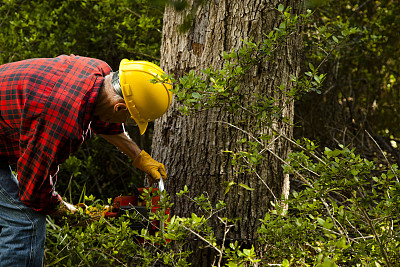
[134,203]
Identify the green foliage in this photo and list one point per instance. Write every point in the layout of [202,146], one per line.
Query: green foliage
[109,30]
[100,243]
[362,73]
[221,88]
[101,169]
[340,217]
[341,214]
[110,241]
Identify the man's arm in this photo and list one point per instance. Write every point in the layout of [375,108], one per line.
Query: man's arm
[124,143]
[141,159]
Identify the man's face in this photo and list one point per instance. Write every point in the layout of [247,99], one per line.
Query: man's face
[109,106]
[119,114]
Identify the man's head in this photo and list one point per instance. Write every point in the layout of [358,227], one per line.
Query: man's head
[145,101]
[110,107]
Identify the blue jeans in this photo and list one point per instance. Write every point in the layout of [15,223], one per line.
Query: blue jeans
[22,230]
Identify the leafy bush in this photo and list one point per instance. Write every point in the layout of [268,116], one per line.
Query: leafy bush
[343,215]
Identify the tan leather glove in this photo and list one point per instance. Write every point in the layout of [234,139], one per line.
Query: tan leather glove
[153,168]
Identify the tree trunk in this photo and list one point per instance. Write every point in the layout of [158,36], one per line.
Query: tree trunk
[191,146]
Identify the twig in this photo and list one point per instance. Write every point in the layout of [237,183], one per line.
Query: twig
[4,18]
[109,255]
[390,165]
[383,250]
[266,185]
[223,240]
[202,238]
[302,148]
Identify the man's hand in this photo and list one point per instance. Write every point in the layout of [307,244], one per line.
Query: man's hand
[153,168]
[65,209]
[78,215]
[141,159]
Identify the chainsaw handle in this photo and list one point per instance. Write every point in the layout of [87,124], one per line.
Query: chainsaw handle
[137,193]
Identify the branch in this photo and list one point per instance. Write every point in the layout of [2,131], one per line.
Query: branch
[390,165]
[202,238]
[381,246]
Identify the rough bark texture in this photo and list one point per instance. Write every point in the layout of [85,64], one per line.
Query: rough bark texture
[190,147]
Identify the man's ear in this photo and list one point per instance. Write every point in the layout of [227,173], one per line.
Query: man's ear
[120,106]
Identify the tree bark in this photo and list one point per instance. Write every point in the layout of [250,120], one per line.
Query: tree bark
[191,146]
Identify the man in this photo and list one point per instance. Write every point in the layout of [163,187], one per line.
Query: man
[47,108]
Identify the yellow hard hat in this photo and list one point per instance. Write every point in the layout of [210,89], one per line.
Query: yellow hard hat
[146,101]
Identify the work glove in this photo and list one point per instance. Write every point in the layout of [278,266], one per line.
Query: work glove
[153,168]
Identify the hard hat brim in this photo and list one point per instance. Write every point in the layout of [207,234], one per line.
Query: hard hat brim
[142,126]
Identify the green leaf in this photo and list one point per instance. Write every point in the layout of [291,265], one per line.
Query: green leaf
[327,263]
[354,172]
[196,95]
[311,66]
[57,261]
[329,153]
[246,187]
[285,263]
[228,187]
[280,8]
[341,243]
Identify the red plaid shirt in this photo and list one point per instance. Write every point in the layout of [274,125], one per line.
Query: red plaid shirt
[46,110]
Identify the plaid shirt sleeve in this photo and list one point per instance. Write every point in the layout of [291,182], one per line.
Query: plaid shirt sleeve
[51,104]
[37,167]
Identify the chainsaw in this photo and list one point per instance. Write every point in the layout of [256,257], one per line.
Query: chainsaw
[135,205]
